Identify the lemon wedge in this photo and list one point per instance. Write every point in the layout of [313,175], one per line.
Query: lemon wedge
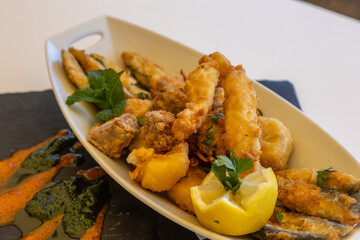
[245,212]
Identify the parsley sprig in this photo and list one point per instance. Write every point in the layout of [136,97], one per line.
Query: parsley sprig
[227,170]
[214,119]
[278,216]
[105,90]
[322,176]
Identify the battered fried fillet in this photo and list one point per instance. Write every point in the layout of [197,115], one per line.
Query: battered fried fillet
[301,226]
[87,62]
[157,130]
[73,70]
[220,62]
[276,143]
[242,128]
[307,198]
[159,172]
[171,100]
[138,107]
[339,181]
[200,91]
[114,135]
[180,193]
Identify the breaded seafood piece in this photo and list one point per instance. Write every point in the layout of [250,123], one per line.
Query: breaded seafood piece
[200,92]
[86,61]
[220,62]
[159,172]
[338,181]
[171,100]
[114,135]
[157,130]
[138,141]
[307,198]
[300,226]
[180,193]
[73,70]
[138,107]
[276,143]
[242,128]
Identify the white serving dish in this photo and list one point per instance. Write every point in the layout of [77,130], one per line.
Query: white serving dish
[313,146]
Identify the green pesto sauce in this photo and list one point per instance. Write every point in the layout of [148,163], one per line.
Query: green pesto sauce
[50,202]
[81,213]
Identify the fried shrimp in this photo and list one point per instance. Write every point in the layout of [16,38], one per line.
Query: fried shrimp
[73,70]
[339,181]
[276,143]
[180,193]
[200,92]
[159,172]
[242,129]
[307,198]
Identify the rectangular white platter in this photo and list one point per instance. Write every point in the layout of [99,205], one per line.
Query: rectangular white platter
[314,148]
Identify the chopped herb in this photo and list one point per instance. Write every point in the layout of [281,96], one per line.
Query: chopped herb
[143,96]
[100,61]
[105,90]
[202,66]
[208,139]
[141,120]
[214,119]
[289,179]
[323,175]
[227,170]
[299,229]
[217,221]
[260,112]
[278,216]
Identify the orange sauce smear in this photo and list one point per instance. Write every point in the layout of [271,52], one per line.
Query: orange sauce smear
[45,230]
[94,233]
[14,199]
[92,173]
[9,165]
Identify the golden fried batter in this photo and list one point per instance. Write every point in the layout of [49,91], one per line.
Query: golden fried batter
[157,130]
[138,107]
[242,129]
[171,100]
[87,62]
[307,198]
[114,135]
[276,143]
[200,91]
[159,172]
[180,193]
[73,70]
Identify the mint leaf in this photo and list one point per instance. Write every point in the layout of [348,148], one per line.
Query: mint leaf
[104,115]
[86,94]
[141,120]
[143,96]
[118,108]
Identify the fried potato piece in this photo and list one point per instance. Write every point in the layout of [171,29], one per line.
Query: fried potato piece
[87,62]
[276,143]
[180,193]
[73,70]
[159,172]
[242,129]
[307,198]
[200,92]
[138,107]
[157,130]
[338,181]
[114,135]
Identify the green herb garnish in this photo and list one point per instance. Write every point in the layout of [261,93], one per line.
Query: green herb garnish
[208,139]
[214,119]
[227,170]
[141,120]
[100,61]
[260,112]
[217,221]
[105,90]
[323,176]
[143,96]
[278,216]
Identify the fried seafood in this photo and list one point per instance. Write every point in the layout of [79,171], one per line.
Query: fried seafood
[114,135]
[73,70]
[242,129]
[200,92]
[138,141]
[219,61]
[138,107]
[276,143]
[307,198]
[157,130]
[159,172]
[171,100]
[339,181]
[86,61]
[180,193]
